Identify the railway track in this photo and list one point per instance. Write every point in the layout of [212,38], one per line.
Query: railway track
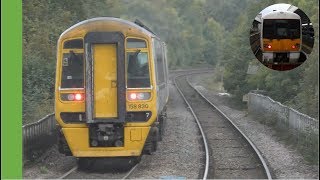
[229,153]
[255,43]
[75,173]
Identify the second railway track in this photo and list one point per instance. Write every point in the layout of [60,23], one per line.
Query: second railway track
[231,154]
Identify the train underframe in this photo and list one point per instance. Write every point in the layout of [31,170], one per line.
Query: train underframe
[109,140]
[281,57]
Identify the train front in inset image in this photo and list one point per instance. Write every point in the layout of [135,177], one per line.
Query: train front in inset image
[282,37]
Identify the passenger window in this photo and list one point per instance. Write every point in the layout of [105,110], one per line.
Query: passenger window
[159,59]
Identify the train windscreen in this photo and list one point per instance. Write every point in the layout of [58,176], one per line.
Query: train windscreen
[137,70]
[72,70]
[281,29]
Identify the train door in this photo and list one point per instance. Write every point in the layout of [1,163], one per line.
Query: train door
[105,81]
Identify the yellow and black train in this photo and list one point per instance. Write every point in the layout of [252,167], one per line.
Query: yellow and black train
[111,89]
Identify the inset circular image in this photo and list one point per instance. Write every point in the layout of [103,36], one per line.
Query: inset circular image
[282,37]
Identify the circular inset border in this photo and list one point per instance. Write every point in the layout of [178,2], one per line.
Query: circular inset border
[281,37]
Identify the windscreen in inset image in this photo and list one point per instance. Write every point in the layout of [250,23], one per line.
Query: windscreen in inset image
[282,37]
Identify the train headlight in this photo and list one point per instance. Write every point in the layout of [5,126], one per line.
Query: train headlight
[72,97]
[139,95]
[295,46]
[78,97]
[133,96]
[267,46]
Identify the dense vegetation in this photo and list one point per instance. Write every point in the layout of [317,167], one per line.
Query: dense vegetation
[196,31]
[298,88]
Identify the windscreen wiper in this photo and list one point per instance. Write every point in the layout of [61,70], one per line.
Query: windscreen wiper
[133,62]
[136,54]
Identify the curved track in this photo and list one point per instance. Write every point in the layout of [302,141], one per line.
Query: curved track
[230,153]
[255,43]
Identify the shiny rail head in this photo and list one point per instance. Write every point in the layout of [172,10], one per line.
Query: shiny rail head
[207,164]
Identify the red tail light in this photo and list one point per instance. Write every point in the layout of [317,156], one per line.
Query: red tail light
[78,97]
[269,46]
[293,46]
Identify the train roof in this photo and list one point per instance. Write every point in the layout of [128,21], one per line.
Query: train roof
[258,17]
[281,15]
[107,23]
[292,8]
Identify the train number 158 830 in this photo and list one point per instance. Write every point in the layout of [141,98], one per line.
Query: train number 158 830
[138,106]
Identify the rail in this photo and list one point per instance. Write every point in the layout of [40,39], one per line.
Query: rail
[255,43]
[206,148]
[256,150]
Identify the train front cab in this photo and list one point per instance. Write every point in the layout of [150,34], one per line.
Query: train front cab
[281,37]
[108,108]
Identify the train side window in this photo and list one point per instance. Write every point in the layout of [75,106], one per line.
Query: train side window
[72,70]
[159,61]
[165,63]
[136,43]
[73,44]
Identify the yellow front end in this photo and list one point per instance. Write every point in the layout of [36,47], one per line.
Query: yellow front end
[134,138]
[281,45]
[71,66]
